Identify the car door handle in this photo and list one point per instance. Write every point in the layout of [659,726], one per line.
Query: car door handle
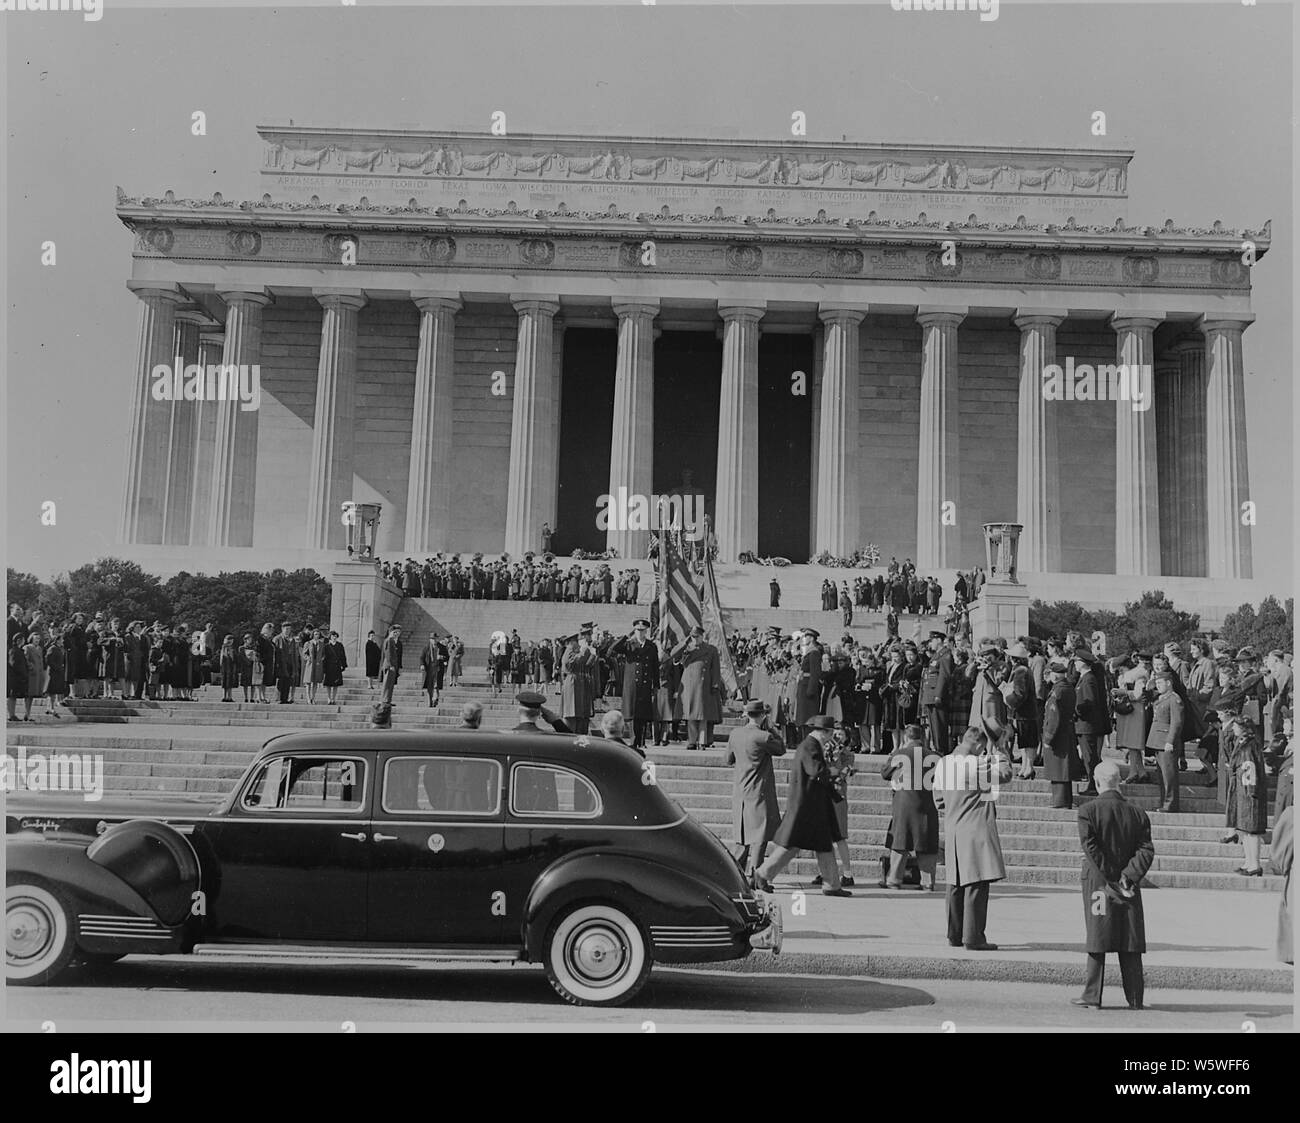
[385,838]
[360,836]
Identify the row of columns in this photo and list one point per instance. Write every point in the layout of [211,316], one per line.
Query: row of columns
[191,471]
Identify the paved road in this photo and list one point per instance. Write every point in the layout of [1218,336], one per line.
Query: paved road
[162,993]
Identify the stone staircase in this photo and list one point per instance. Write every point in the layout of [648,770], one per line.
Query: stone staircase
[1040,844]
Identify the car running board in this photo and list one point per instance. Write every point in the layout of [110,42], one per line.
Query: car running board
[318,953]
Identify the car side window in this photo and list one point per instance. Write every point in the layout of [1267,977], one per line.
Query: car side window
[307,784]
[547,789]
[446,785]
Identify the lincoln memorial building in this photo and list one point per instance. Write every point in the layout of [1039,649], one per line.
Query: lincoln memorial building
[842,343]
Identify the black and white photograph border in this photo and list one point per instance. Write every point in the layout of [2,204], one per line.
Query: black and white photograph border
[767,516]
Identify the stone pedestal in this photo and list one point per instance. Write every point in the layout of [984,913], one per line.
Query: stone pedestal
[1002,610]
[361,601]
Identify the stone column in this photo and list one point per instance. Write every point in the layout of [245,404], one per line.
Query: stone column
[145,491]
[631,456]
[182,434]
[428,487]
[1137,510]
[532,477]
[1228,539]
[1038,467]
[234,453]
[557,338]
[815,389]
[736,505]
[1168,411]
[211,346]
[332,444]
[1192,486]
[837,441]
[938,538]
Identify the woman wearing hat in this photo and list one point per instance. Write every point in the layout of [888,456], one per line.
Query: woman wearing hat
[1130,704]
[1246,806]
[870,678]
[1166,737]
[809,822]
[914,824]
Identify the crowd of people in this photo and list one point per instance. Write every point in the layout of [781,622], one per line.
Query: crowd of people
[97,656]
[532,578]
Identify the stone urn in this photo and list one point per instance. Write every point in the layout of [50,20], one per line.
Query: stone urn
[362,523]
[1002,551]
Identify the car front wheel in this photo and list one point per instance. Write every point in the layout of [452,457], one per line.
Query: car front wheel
[38,934]
[596,956]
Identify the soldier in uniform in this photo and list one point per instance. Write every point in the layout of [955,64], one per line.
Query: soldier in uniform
[935,690]
[755,813]
[808,687]
[1091,714]
[640,657]
[1117,852]
[578,685]
[701,689]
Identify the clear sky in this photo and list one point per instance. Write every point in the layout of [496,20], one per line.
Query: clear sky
[1201,91]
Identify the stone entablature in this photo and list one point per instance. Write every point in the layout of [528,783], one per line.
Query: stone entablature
[794,176]
[1067,256]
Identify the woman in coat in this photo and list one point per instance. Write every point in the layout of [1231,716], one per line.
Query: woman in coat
[335,660]
[1246,807]
[182,664]
[250,666]
[1130,728]
[1060,743]
[92,662]
[914,824]
[112,659]
[34,652]
[373,654]
[809,822]
[313,664]
[228,664]
[16,680]
[56,681]
[871,705]
[668,705]
[578,687]
[1166,737]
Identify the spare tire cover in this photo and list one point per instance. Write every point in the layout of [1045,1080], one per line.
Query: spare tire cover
[154,860]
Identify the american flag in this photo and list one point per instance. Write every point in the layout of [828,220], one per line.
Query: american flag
[679,597]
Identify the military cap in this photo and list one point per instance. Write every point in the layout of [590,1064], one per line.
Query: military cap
[531,699]
[821,721]
[640,622]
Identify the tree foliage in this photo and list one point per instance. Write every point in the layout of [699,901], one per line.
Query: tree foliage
[1271,627]
[233,603]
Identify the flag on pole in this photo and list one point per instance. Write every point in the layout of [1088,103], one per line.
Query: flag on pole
[678,598]
[715,630]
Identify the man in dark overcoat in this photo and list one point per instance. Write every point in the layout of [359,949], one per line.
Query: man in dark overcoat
[1117,852]
[1091,714]
[964,784]
[935,692]
[701,687]
[755,813]
[1060,742]
[808,688]
[640,657]
[809,822]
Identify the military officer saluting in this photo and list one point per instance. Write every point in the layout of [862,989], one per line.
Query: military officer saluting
[640,657]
